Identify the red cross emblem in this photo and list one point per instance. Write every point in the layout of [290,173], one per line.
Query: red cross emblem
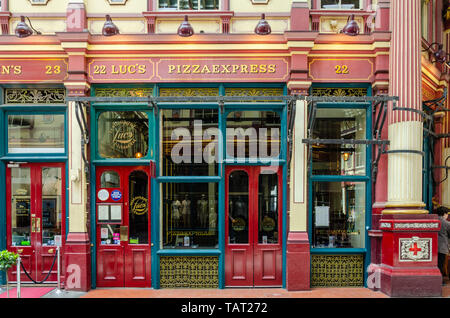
[415,249]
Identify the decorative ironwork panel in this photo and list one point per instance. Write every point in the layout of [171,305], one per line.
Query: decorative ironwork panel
[265,91]
[337,270]
[188,91]
[189,272]
[124,92]
[339,91]
[35,95]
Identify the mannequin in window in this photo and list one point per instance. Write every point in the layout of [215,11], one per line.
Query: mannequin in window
[202,208]
[176,211]
[186,211]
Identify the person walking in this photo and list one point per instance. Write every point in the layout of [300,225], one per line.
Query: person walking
[443,236]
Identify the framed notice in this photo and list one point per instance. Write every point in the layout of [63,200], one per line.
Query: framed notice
[109,213]
[322,216]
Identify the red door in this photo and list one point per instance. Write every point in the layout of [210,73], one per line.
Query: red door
[36,217]
[253,249]
[123,227]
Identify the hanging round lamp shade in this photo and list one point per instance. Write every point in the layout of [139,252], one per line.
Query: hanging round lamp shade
[185,29]
[109,28]
[352,27]
[440,55]
[22,29]
[263,27]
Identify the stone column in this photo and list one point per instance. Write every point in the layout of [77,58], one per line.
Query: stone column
[77,254]
[409,243]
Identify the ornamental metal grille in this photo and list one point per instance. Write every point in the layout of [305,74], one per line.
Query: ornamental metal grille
[189,271]
[337,270]
[264,91]
[188,92]
[124,92]
[339,91]
[35,96]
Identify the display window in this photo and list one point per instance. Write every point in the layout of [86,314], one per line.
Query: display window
[339,214]
[339,159]
[253,136]
[35,133]
[190,141]
[340,4]
[189,213]
[123,134]
[188,4]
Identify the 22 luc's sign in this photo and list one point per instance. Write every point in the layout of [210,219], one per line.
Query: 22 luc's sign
[188,69]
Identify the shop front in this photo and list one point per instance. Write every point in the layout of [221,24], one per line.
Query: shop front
[188,190]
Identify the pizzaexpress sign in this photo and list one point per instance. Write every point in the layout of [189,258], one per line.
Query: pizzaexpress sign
[192,69]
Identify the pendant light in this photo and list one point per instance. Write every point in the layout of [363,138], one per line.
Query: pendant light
[109,28]
[185,29]
[352,27]
[23,30]
[263,27]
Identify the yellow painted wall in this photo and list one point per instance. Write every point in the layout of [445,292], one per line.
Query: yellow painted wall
[24,6]
[126,26]
[247,25]
[271,6]
[43,25]
[212,25]
[103,7]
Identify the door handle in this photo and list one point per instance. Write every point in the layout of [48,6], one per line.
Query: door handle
[51,251]
[33,224]
[38,225]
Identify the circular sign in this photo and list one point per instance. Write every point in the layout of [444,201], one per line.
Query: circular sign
[103,195]
[268,224]
[116,195]
[239,224]
[139,205]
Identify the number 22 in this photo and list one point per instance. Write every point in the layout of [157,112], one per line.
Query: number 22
[341,69]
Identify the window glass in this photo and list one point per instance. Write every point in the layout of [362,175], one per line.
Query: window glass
[188,4]
[339,214]
[340,4]
[138,207]
[238,207]
[51,205]
[123,134]
[190,142]
[36,133]
[253,135]
[110,179]
[189,212]
[20,206]
[268,208]
[339,159]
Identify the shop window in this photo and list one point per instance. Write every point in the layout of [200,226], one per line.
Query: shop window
[110,179]
[253,135]
[21,206]
[190,215]
[340,4]
[268,208]
[190,142]
[51,205]
[188,4]
[238,207]
[339,159]
[42,133]
[138,207]
[122,134]
[339,214]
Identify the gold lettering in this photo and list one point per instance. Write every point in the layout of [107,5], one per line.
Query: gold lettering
[113,70]
[244,68]
[17,69]
[123,69]
[205,69]
[142,69]
[271,68]
[235,68]
[226,69]
[132,69]
[262,68]
[196,69]
[5,69]
[186,69]
[171,69]
[253,68]
[216,68]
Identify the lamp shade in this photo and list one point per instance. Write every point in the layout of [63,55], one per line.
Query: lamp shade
[440,55]
[109,28]
[352,27]
[185,29]
[22,29]
[263,27]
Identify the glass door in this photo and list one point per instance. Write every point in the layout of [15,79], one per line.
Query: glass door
[123,227]
[35,214]
[253,253]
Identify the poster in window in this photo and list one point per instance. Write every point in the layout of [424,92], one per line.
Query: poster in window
[322,216]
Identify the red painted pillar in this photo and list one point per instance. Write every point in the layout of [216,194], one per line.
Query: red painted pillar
[409,240]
